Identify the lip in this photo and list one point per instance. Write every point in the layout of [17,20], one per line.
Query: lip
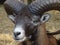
[21,39]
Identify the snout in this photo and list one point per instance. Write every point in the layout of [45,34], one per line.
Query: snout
[19,34]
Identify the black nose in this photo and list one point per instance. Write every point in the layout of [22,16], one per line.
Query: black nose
[17,33]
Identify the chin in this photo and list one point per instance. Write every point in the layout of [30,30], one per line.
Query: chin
[21,40]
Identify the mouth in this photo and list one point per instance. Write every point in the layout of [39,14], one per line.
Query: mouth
[21,39]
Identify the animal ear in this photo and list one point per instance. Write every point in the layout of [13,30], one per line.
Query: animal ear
[45,18]
[11,17]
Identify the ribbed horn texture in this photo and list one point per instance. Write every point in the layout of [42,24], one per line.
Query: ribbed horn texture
[13,6]
[42,6]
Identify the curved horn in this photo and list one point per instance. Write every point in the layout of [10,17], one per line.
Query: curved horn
[41,6]
[13,6]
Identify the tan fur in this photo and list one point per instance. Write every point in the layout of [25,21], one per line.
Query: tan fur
[43,38]
[52,40]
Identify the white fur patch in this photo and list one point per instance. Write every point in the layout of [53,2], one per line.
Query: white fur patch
[19,29]
[21,40]
[22,36]
[11,17]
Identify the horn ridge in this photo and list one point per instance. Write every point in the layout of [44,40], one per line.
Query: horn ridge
[42,6]
[13,5]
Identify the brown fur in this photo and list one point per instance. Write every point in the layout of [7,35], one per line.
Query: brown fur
[43,38]
[52,40]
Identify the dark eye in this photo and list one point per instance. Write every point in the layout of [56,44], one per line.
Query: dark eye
[44,18]
[35,21]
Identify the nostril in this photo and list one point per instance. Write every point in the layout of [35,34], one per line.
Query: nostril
[17,33]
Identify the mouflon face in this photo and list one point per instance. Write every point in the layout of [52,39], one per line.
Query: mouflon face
[25,23]
[24,18]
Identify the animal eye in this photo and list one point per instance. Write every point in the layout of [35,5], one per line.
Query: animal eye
[35,21]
